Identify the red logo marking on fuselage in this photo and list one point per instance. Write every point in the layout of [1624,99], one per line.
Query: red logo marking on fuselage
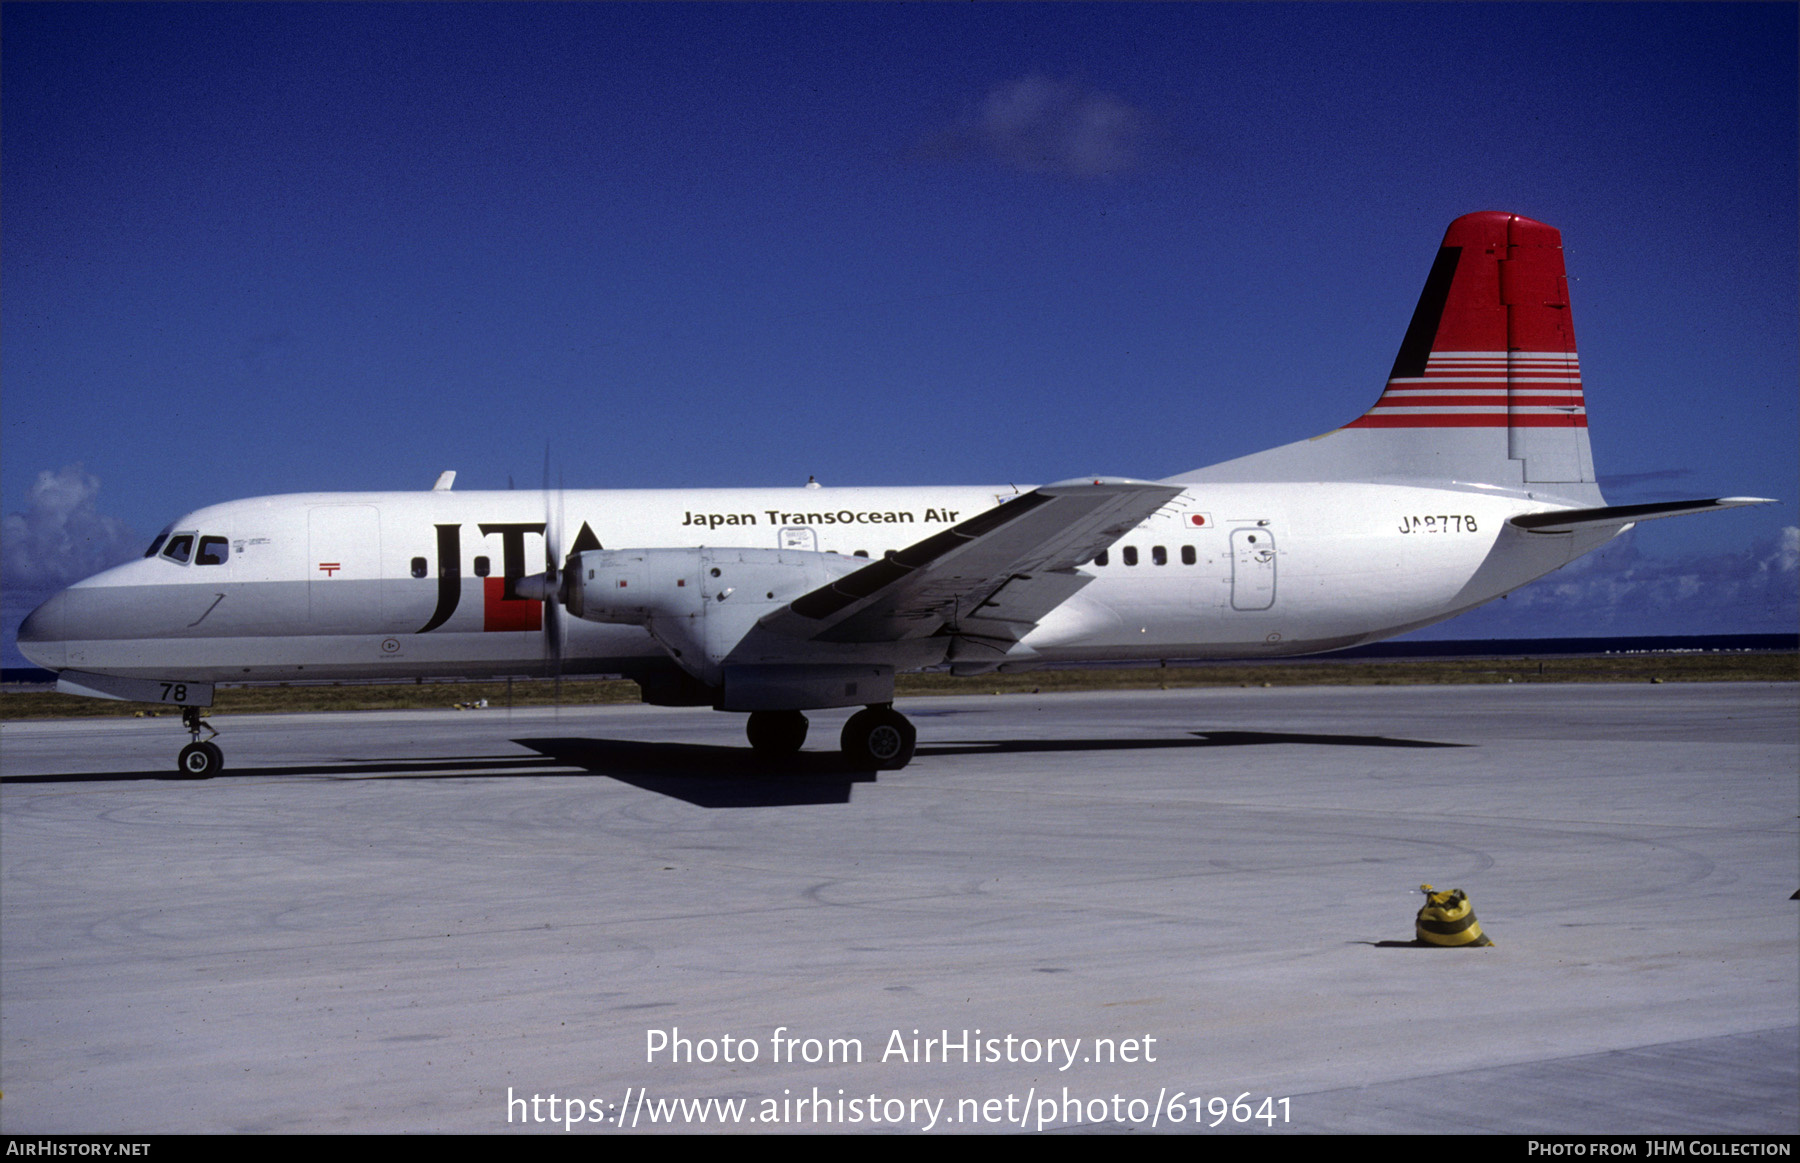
[329,568]
[500,612]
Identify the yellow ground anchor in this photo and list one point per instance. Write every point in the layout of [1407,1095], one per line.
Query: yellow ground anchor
[1448,919]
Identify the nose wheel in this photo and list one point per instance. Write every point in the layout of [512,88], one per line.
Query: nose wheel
[201,759]
[878,739]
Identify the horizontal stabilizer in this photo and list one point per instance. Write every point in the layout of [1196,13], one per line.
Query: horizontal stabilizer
[1569,520]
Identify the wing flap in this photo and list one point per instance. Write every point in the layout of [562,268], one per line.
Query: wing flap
[1015,609]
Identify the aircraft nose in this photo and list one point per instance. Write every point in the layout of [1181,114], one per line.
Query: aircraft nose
[41,637]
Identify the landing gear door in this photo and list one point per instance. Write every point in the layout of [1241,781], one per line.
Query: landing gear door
[1252,569]
[344,567]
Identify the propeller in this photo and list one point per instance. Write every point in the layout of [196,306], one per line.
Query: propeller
[553,612]
[546,587]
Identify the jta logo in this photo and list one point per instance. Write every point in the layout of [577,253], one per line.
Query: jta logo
[502,607]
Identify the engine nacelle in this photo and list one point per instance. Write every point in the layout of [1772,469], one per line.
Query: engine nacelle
[700,604]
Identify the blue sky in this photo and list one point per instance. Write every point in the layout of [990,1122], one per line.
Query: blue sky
[271,248]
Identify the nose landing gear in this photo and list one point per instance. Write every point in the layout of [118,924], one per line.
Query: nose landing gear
[201,759]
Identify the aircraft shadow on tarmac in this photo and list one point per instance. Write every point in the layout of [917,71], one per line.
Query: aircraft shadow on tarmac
[706,776]
[1195,739]
[710,776]
[733,777]
[713,776]
[449,767]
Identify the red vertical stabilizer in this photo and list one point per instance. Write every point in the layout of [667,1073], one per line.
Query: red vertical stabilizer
[1491,344]
[1486,390]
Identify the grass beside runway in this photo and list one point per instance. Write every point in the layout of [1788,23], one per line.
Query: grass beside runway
[37,703]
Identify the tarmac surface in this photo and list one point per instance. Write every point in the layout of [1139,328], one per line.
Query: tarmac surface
[1159,910]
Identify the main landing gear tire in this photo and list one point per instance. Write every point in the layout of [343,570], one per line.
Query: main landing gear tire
[201,760]
[878,739]
[776,732]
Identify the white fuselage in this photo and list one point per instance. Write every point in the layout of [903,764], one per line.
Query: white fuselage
[390,585]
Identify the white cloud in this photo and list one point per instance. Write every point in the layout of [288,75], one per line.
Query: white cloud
[1619,590]
[61,538]
[1043,125]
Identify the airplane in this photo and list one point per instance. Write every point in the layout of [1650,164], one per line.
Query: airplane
[1470,476]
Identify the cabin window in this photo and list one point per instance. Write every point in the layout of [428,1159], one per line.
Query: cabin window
[418,567]
[213,551]
[1187,555]
[481,567]
[1159,555]
[180,548]
[860,553]
[1129,554]
[1101,558]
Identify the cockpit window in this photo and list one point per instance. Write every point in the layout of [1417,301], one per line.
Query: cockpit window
[213,551]
[158,543]
[180,548]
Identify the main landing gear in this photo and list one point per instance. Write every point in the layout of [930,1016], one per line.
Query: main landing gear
[201,759]
[876,738]
[776,732]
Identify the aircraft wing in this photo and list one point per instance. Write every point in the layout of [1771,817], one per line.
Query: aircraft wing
[1568,520]
[993,576]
